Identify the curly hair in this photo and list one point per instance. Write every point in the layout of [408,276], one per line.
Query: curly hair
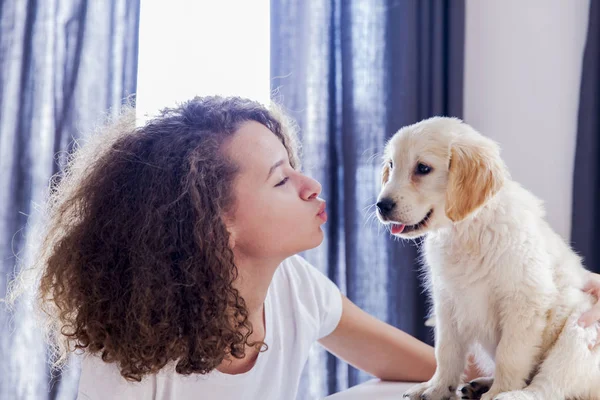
[135,264]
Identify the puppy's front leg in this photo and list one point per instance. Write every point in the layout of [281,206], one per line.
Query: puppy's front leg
[517,352]
[451,355]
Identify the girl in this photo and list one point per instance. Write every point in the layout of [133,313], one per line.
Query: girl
[170,262]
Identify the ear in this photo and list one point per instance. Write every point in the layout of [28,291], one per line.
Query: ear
[230,227]
[476,174]
[385,173]
[231,240]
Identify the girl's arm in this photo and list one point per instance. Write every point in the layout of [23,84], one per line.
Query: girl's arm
[378,348]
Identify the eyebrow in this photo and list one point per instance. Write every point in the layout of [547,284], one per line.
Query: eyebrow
[274,167]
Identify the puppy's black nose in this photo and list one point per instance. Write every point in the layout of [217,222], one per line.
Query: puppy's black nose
[385,205]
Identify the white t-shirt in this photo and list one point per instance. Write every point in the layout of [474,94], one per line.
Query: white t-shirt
[301,307]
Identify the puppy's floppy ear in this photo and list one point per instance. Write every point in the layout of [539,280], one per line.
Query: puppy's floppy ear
[476,174]
[385,173]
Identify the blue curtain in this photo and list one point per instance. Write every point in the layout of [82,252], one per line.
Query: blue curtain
[63,63]
[352,73]
[585,227]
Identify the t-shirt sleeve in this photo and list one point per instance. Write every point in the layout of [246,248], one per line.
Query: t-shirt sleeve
[321,295]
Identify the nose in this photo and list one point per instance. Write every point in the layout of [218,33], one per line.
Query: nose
[311,188]
[385,205]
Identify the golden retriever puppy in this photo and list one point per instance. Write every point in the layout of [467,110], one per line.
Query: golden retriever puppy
[503,283]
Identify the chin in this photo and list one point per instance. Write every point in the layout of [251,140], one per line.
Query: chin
[314,242]
[320,238]
[413,234]
[412,231]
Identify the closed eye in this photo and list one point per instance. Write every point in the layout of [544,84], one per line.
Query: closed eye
[283,182]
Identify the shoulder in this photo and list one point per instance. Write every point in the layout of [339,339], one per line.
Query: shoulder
[102,380]
[296,270]
[310,292]
[295,264]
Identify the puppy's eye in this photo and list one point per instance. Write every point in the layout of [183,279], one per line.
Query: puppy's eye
[422,169]
[391,164]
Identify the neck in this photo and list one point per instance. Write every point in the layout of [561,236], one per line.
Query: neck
[254,278]
[252,283]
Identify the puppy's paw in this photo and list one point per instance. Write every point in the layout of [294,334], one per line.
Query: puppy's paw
[517,395]
[476,388]
[415,392]
[429,391]
[489,396]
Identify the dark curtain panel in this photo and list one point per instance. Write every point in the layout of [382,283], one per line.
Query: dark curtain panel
[585,229]
[63,65]
[352,73]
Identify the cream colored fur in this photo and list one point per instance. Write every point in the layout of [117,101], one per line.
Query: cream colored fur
[503,283]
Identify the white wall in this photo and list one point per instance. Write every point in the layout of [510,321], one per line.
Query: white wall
[522,73]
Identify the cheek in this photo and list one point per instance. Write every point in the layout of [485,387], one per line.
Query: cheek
[287,218]
[439,186]
[271,211]
[265,215]
[249,213]
[432,187]
[284,213]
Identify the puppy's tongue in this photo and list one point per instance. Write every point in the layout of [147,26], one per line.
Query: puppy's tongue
[397,228]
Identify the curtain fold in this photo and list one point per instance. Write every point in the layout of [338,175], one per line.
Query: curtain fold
[63,65]
[585,227]
[351,74]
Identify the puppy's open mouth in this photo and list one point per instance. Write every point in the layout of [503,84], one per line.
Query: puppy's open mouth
[401,228]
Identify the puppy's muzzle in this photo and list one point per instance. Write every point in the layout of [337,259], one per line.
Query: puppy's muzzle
[386,206]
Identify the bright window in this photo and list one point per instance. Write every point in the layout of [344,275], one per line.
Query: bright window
[195,48]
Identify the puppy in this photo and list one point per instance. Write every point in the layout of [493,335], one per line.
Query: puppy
[504,285]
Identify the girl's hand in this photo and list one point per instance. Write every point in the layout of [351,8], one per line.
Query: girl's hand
[592,315]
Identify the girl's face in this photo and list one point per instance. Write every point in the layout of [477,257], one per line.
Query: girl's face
[278,212]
